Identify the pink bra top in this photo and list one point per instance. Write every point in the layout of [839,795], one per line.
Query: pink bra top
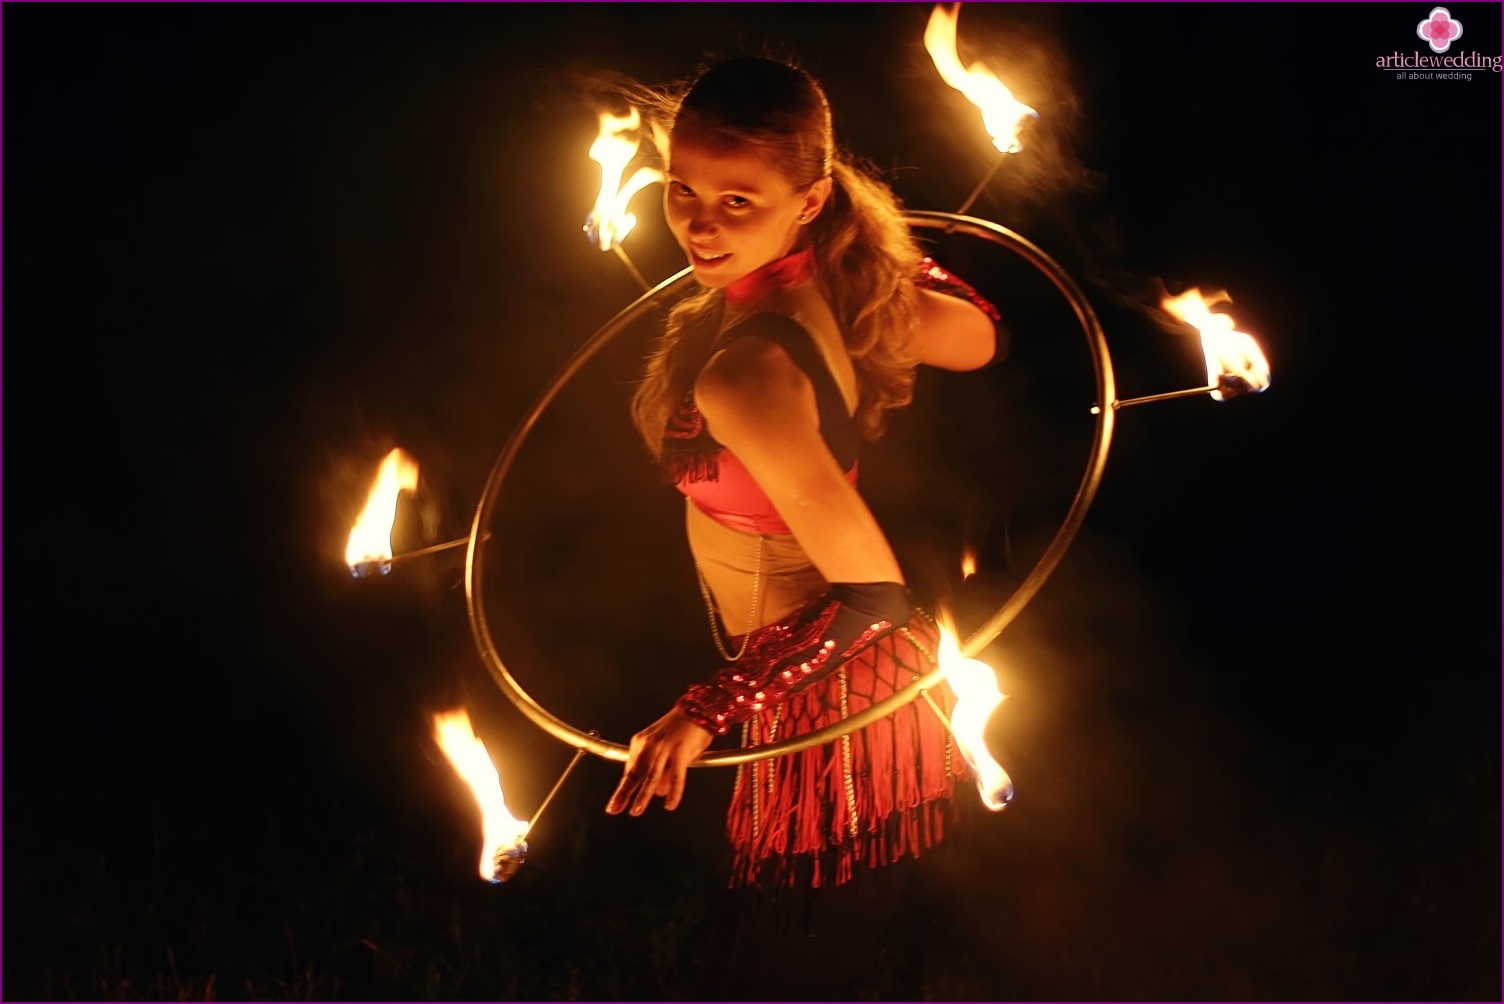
[735,500]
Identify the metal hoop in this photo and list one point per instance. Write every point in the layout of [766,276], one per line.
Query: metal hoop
[978,640]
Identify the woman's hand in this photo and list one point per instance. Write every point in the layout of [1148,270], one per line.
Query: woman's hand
[657,760]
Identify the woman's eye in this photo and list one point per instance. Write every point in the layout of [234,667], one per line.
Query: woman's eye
[680,189]
[737,202]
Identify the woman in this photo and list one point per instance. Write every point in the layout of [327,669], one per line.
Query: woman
[815,308]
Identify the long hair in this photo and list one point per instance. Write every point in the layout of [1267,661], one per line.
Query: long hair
[865,256]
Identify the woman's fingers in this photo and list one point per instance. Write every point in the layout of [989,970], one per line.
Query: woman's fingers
[671,787]
[649,786]
[639,780]
[657,762]
[632,776]
[622,796]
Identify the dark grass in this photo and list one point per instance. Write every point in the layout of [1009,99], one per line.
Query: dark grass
[399,915]
[314,895]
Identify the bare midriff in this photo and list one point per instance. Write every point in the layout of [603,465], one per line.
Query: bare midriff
[728,559]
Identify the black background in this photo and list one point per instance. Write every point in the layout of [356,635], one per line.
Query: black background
[249,248]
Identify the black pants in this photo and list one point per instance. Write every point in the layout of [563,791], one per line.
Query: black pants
[800,943]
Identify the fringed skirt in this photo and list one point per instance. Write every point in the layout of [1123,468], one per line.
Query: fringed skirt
[864,800]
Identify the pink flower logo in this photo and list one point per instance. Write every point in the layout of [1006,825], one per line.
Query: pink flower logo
[1439,29]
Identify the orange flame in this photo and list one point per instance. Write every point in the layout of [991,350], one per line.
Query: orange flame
[371,537]
[1234,360]
[977,695]
[1002,113]
[501,832]
[968,563]
[620,135]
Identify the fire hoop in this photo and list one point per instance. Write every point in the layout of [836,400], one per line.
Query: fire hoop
[978,640]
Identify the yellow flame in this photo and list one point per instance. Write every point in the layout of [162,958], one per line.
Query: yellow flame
[977,695]
[500,830]
[620,135]
[371,537]
[1002,113]
[1229,352]
[968,563]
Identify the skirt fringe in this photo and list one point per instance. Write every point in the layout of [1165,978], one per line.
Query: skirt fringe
[864,800]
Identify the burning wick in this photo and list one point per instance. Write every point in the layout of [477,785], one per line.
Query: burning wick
[384,565]
[1228,385]
[364,568]
[503,843]
[503,836]
[1229,353]
[370,545]
[1002,113]
[609,222]
[977,695]
[1235,365]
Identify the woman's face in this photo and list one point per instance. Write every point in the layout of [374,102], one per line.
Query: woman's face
[731,210]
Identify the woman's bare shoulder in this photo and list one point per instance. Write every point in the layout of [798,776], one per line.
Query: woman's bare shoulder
[753,378]
[749,369]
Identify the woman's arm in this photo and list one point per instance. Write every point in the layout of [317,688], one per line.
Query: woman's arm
[959,329]
[955,335]
[761,406]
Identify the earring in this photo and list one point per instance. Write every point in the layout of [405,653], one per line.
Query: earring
[803,217]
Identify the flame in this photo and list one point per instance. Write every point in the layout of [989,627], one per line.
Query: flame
[1002,113]
[501,832]
[620,135]
[371,537]
[977,694]
[1234,361]
[968,563]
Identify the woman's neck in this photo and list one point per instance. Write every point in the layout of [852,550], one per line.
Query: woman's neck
[781,273]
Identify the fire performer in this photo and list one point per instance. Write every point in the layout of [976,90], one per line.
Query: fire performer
[816,305]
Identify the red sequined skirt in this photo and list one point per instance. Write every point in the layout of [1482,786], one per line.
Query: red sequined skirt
[863,800]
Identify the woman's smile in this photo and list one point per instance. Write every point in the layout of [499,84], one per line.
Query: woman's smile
[730,209]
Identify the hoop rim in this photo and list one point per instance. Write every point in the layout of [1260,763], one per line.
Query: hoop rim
[975,643]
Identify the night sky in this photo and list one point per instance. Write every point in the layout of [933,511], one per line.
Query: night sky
[1253,717]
